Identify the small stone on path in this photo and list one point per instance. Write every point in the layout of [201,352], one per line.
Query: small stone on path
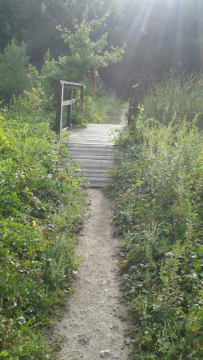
[127,341]
[102,324]
[105,354]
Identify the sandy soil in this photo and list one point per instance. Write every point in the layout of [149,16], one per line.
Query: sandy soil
[95,326]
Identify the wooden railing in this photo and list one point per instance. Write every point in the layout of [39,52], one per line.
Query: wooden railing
[135,97]
[70,86]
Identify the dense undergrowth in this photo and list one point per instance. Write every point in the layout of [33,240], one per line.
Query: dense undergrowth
[41,205]
[159,209]
[181,95]
[104,109]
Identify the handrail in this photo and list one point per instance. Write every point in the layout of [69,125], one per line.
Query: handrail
[70,86]
[135,95]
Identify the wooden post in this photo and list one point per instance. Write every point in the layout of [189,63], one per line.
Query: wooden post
[134,101]
[82,95]
[136,95]
[59,108]
[64,85]
[69,108]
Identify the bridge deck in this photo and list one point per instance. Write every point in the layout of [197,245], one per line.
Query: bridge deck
[90,147]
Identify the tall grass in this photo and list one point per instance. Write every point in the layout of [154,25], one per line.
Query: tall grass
[108,107]
[159,207]
[180,95]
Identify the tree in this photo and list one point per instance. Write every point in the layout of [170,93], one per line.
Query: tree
[13,71]
[34,23]
[86,56]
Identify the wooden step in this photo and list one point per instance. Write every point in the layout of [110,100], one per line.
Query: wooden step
[94,155]
[95,174]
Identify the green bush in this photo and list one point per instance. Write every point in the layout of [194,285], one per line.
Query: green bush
[13,71]
[41,205]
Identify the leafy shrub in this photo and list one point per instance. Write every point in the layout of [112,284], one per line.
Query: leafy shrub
[91,114]
[40,210]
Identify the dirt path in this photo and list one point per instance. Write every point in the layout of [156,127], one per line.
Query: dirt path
[94,326]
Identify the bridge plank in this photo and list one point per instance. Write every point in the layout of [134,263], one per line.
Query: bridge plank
[90,147]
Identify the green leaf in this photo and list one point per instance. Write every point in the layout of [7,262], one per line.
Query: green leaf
[198,268]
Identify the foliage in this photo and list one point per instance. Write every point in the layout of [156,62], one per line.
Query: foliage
[32,101]
[86,56]
[100,110]
[34,22]
[89,113]
[108,106]
[159,35]
[180,95]
[86,53]
[40,211]
[158,190]
[13,71]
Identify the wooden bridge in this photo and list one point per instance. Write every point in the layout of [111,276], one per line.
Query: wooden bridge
[90,147]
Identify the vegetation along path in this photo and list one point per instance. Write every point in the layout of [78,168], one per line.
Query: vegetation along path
[95,325]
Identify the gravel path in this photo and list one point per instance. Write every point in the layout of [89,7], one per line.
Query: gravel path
[95,325]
